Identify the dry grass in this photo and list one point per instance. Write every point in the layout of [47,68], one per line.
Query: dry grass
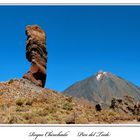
[23,103]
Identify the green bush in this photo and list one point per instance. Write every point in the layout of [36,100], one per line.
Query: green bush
[67,106]
[10,81]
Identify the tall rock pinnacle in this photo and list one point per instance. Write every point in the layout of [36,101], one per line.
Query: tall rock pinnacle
[36,53]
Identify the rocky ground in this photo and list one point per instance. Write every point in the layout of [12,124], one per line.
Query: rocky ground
[21,102]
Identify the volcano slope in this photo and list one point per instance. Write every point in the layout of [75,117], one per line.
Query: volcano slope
[102,87]
[22,102]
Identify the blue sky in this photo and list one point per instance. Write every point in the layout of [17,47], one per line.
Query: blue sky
[81,40]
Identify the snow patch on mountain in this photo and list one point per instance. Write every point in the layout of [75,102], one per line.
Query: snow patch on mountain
[100,75]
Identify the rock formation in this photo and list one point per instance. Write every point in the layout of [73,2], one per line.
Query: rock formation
[36,54]
[127,105]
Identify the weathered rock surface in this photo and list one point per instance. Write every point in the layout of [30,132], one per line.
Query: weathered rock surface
[127,105]
[36,54]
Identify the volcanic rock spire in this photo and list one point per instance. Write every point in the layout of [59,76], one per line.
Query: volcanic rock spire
[36,53]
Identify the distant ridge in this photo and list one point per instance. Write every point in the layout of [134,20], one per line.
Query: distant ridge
[102,88]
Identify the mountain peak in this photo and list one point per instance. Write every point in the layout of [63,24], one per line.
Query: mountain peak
[102,87]
[101,74]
